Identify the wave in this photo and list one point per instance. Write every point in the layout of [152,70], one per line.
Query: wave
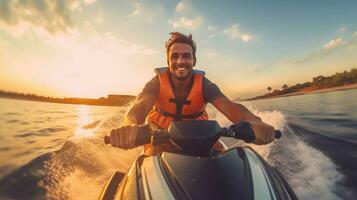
[91,125]
[61,174]
[341,152]
[340,121]
[304,156]
[311,173]
[12,113]
[78,170]
[41,132]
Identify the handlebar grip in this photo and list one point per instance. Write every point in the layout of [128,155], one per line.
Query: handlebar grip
[106,139]
[243,131]
[277,134]
[143,136]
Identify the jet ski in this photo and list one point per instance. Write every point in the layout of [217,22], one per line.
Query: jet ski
[198,170]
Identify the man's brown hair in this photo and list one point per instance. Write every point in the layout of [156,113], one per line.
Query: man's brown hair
[177,37]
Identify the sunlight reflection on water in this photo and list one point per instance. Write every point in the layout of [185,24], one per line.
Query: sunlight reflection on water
[84,118]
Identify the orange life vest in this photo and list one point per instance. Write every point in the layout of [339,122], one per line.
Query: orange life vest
[168,107]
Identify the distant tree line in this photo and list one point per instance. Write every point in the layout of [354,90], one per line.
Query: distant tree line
[318,82]
[110,100]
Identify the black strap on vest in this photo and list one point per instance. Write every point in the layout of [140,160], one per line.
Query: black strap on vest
[179,104]
[178,117]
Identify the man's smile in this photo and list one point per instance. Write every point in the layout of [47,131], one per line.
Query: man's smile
[181,69]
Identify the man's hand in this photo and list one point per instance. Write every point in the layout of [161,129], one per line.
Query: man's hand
[236,113]
[264,133]
[124,137]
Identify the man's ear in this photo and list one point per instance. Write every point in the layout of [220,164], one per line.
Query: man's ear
[194,61]
[167,60]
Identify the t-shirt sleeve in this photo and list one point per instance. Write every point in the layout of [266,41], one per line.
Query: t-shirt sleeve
[210,91]
[152,87]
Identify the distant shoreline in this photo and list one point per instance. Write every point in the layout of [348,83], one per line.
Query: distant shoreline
[14,98]
[110,100]
[305,92]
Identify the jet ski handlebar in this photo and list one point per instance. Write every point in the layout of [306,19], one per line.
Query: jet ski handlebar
[242,130]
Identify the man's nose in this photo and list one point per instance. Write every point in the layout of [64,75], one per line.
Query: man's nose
[180,59]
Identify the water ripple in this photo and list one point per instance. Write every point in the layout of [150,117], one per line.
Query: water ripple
[13,121]
[91,125]
[41,132]
[12,113]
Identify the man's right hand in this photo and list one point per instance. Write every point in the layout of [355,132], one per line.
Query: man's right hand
[124,137]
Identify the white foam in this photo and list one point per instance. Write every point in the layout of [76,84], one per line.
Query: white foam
[83,167]
[314,175]
[273,118]
[311,174]
[81,172]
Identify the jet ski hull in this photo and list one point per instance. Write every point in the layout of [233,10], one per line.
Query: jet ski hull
[238,173]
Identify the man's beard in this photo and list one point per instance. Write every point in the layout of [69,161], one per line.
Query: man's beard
[183,78]
[179,77]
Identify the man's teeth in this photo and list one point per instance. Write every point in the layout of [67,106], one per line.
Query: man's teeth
[181,68]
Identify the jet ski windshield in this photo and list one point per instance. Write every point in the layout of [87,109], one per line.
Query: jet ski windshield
[195,137]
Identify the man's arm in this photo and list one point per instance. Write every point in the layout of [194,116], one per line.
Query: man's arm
[140,109]
[236,113]
[125,136]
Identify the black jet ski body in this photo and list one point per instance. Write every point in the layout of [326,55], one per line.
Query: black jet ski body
[237,173]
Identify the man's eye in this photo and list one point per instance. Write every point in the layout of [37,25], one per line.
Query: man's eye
[187,56]
[174,56]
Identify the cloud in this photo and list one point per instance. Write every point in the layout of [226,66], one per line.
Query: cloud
[342,29]
[147,12]
[327,48]
[333,43]
[186,17]
[234,32]
[17,17]
[182,6]
[89,1]
[184,22]
[137,10]
[211,28]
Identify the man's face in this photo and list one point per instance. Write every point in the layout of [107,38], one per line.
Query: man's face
[181,60]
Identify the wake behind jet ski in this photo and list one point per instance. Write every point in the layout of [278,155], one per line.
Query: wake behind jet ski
[197,170]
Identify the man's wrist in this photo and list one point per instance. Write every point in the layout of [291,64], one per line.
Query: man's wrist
[128,122]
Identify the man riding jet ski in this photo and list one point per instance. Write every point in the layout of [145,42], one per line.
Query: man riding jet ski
[179,93]
[197,170]
[179,160]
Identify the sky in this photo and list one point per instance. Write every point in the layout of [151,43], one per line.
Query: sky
[92,48]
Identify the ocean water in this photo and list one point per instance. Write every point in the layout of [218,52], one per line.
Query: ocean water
[56,151]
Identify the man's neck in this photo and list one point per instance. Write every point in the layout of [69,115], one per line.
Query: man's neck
[181,84]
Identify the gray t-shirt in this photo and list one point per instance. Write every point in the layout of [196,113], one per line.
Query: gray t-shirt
[210,90]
